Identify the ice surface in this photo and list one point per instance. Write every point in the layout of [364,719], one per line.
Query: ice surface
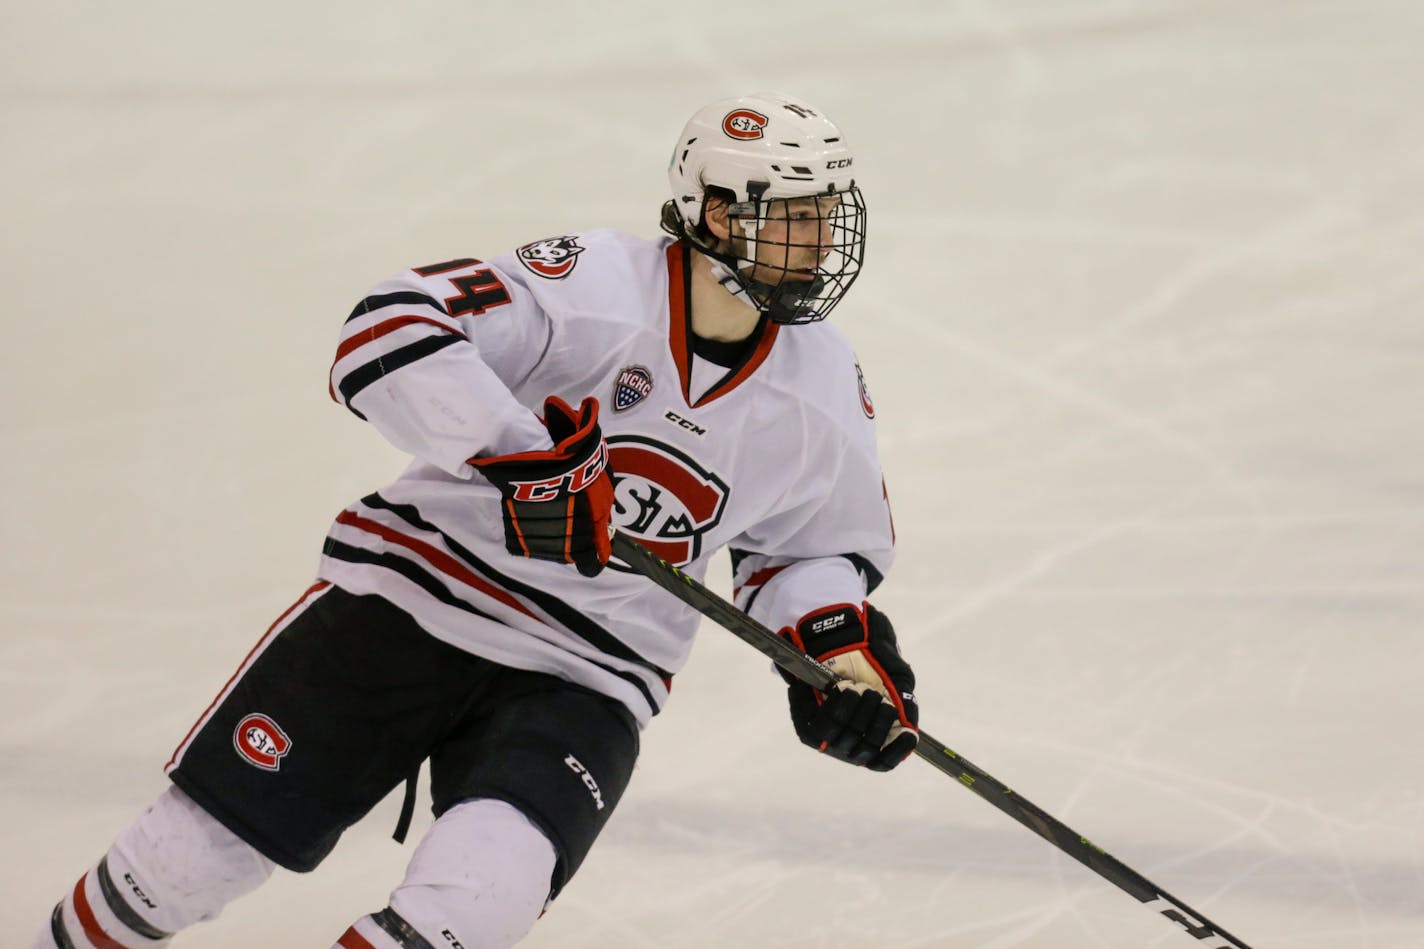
[1141,316]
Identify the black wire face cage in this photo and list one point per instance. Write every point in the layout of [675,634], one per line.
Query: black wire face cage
[797,257]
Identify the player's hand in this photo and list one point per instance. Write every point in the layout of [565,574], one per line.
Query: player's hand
[870,719]
[558,504]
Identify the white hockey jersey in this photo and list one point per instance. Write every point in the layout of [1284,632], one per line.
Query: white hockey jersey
[774,457]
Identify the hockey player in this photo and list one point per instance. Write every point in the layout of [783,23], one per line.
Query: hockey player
[681,389]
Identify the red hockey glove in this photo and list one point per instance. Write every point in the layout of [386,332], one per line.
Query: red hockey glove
[870,720]
[558,504]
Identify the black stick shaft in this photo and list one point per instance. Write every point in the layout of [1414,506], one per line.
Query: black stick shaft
[938,754]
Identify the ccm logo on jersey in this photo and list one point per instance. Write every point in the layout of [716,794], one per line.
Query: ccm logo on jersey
[744,124]
[261,741]
[552,258]
[573,482]
[663,497]
[685,424]
[577,768]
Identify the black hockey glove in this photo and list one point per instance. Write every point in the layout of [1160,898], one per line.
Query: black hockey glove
[871,719]
[558,504]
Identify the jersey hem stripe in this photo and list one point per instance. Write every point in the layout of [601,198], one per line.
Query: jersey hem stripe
[432,585]
[568,617]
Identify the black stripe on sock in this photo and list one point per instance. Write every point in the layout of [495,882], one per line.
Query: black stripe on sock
[398,929]
[120,907]
[56,927]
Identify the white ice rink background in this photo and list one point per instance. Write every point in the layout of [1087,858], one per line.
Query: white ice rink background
[1141,318]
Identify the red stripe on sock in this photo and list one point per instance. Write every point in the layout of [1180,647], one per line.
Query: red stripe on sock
[351,939]
[89,923]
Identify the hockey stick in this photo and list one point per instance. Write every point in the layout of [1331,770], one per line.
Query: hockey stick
[816,675]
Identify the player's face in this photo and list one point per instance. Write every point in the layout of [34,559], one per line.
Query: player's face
[794,238]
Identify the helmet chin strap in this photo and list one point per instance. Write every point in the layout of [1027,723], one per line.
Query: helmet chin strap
[781,302]
[787,302]
[732,282]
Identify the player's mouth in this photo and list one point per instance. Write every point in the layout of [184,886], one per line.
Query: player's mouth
[809,270]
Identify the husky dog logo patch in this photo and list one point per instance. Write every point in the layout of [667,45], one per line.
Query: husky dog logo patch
[261,741]
[634,385]
[553,258]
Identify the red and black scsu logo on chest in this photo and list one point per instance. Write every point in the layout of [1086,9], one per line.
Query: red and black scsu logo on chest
[663,498]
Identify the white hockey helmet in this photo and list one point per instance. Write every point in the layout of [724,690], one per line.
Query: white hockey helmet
[756,150]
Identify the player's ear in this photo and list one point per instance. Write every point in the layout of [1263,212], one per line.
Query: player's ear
[714,216]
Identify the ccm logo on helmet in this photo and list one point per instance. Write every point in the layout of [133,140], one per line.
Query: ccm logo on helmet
[261,741]
[744,124]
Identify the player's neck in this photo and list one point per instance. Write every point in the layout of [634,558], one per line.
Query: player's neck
[716,314]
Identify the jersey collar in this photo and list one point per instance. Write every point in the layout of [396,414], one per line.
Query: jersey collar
[680,332]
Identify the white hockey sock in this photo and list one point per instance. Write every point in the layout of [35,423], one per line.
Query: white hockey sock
[478,880]
[173,867]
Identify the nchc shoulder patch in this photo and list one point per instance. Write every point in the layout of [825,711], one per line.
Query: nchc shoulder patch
[261,741]
[635,383]
[553,258]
